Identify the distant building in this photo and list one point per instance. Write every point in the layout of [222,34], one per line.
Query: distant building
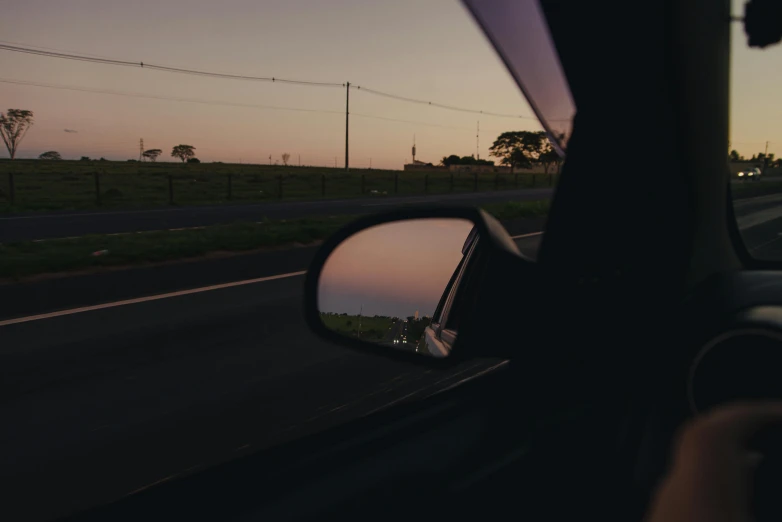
[422,166]
[416,315]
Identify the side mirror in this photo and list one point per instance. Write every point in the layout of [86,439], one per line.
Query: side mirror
[412,283]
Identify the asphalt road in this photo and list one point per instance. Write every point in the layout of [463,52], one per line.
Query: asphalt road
[98,404]
[67,224]
[760,222]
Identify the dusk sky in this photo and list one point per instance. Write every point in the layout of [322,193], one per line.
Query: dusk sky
[756,100]
[430,50]
[393,269]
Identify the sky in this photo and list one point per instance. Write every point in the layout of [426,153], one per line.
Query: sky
[431,50]
[393,269]
[756,99]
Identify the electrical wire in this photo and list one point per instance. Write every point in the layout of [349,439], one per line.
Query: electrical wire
[53,53]
[142,65]
[167,98]
[440,105]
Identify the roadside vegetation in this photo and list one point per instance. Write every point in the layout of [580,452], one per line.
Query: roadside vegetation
[24,259]
[36,185]
[749,189]
[373,328]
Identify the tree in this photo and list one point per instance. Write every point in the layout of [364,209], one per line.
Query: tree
[183,152]
[14,125]
[453,159]
[285,158]
[85,158]
[152,154]
[519,148]
[193,160]
[734,155]
[548,157]
[51,155]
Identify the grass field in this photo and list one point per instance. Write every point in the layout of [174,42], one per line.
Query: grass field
[752,189]
[27,185]
[372,328]
[29,258]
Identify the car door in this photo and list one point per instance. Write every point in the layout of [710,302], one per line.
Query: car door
[438,337]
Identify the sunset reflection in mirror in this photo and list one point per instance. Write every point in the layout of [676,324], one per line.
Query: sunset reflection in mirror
[397,269]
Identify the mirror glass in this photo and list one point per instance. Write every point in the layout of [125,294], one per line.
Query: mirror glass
[393,284]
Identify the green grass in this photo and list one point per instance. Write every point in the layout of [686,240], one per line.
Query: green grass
[24,259]
[71,185]
[518,209]
[372,328]
[750,189]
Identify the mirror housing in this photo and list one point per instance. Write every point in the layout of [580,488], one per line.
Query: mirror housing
[495,275]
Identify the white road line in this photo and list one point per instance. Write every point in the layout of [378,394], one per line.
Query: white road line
[137,300]
[527,235]
[401,203]
[72,311]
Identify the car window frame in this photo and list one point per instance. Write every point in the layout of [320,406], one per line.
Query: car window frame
[448,335]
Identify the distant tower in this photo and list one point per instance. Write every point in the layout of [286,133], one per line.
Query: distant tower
[416,315]
[413,148]
[140,148]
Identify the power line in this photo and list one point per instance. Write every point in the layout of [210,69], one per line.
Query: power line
[409,121]
[440,105]
[143,65]
[218,103]
[167,98]
[53,53]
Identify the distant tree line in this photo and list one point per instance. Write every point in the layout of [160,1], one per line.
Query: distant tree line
[453,159]
[760,157]
[523,149]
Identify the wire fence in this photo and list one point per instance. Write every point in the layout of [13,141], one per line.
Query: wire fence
[83,187]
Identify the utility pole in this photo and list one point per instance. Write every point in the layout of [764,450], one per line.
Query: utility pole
[478,142]
[347,122]
[270,159]
[370,163]
[140,148]
[335,162]
[765,158]
[299,160]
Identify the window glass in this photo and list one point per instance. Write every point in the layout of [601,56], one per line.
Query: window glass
[756,142]
[174,166]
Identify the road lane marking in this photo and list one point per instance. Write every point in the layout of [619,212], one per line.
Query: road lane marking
[527,235]
[137,300]
[411,200]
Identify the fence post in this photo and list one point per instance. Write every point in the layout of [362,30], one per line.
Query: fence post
[279,187]
[475,182]
[230,187]
[451,181]
[11,188]
[396,183]
[362,184]
[426,183]
[323,185]
[97,188]
[170,189]
[516,180]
